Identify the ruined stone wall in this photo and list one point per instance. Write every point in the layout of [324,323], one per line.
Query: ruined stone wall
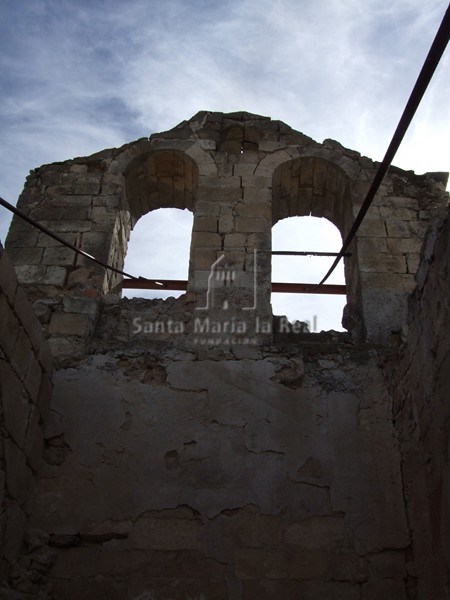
[25,391]
[239,174]
[186,460]
[221,473]
[422,417]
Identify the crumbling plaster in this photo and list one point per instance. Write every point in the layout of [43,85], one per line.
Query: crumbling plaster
[181,465]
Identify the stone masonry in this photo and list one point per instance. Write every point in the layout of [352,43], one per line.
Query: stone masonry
[193,448]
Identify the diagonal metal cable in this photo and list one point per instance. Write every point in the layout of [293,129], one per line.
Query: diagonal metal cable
[61,240]
[431,62]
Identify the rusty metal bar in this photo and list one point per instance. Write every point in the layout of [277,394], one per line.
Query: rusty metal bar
[178,284]
[289,253]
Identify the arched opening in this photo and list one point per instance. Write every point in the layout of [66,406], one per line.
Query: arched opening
[159,247]
[320,311]
[312,186]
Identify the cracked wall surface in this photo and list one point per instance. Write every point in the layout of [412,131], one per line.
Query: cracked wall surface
[25,392]
[182,460]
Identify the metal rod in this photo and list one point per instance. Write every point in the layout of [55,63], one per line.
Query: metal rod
[431,62]
[178,284]
[289,253]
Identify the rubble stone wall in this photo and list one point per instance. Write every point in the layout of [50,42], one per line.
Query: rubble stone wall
[25,391]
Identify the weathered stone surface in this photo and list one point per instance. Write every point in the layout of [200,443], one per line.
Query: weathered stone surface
[208,461]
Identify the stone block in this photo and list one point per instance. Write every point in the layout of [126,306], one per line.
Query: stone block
[58,256]
[395,212]
[10,329]
[396,228]
[226,224]
[383,263]
[32,378]
[15,404]
[252,225]
[8,279]
[257,194]
[166,533]
[389,564]
[39,274]
[84,306]
[254,209]
[244,169]
[271,146]
[372,228]
[45,395]
[18,474]
[25,256]
[307,563]
[261,563]
[413,262]
[256,181]
[15,529]
[272,589]
[22,352]
[384,589]
[206,240]
[55,275]
[208,224]
[207,208]
[70,324]
[72,226]
[397,281]
[49,242]
[331,590]
[403,245]
[317,532]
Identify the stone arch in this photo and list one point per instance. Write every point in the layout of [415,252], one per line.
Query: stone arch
[315,186]
[160,179]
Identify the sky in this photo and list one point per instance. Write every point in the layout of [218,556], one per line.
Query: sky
[80,76]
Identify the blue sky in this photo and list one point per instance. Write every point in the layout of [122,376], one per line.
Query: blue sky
[79,76]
